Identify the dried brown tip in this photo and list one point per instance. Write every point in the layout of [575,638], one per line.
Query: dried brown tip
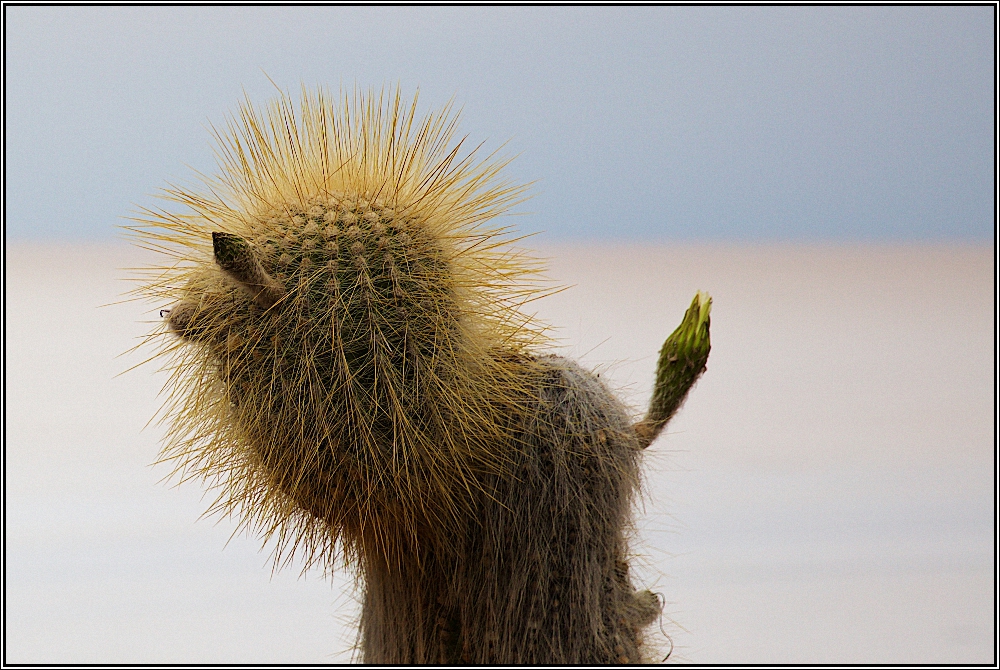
[179,319]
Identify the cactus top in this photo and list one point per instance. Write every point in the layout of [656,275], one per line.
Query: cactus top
[351,343]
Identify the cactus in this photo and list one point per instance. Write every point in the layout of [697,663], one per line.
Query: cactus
[352,371]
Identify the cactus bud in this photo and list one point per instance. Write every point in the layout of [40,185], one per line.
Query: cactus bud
[682,360]
[236,258]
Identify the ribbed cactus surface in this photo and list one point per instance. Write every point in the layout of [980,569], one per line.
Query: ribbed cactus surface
[352,372]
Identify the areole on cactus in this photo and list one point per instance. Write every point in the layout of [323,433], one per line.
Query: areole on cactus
[352,371]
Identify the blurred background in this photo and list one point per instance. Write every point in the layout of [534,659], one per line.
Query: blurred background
[730,123]
[826,173]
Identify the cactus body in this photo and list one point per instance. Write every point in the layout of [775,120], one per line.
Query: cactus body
[351,371]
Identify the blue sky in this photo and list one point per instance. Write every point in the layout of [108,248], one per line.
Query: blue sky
[650,123]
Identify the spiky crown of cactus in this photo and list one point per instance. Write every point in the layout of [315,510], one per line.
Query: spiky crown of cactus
[347,315]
